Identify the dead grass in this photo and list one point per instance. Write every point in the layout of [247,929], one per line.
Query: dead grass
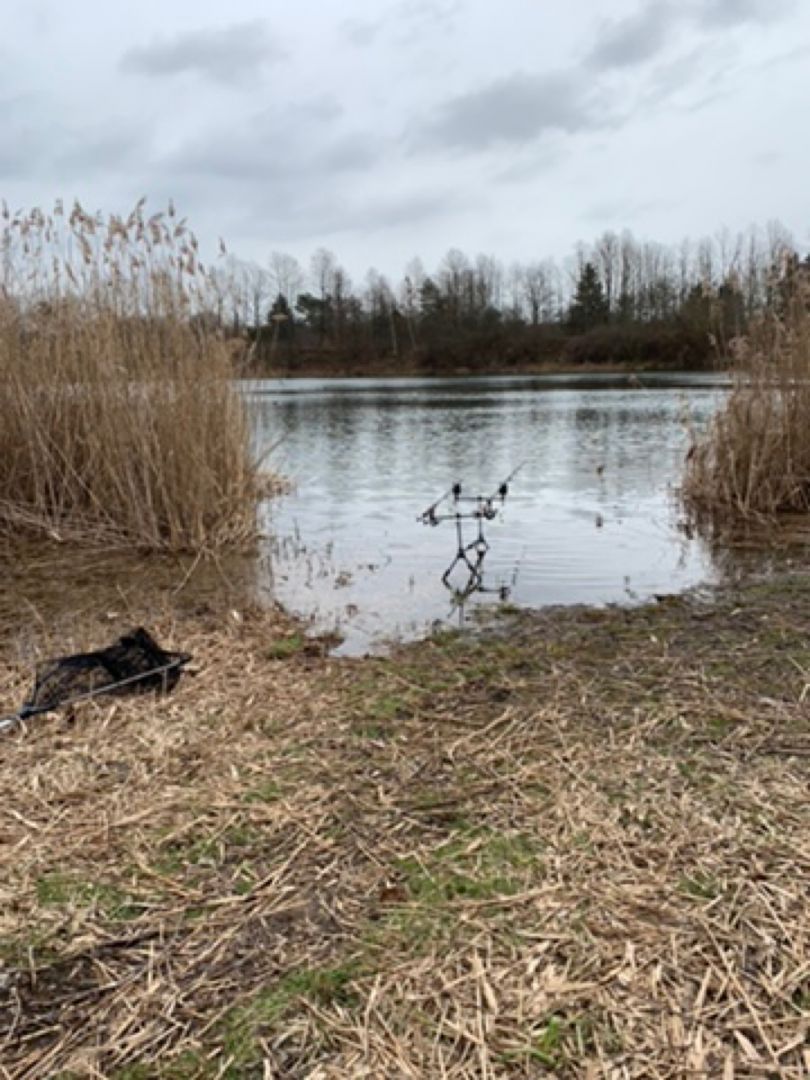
[576,847]
[754,461]
[120,426]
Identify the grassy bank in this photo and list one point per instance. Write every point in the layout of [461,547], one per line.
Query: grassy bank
[575,845]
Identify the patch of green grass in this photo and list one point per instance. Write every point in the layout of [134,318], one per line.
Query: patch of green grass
[546,1046]
[207,850]
[561,1041]
[43,945]
[476,865]
[59,889]
[190,1065]
[446,639]
[284,648]
[720,725]
[700,886]
[244,879]
[266,792]
[374,732]
[583,839]
[244,1025]
[411,930]
[388,707]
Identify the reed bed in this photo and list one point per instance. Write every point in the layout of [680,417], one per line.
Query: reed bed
[577,846]
[120,426]
[754,460]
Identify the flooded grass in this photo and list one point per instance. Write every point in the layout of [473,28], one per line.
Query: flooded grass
[574,844]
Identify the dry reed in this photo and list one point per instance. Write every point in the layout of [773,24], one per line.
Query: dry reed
[579,850]
[120,425]
[754,460]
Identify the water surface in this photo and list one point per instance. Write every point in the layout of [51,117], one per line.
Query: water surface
[591,516]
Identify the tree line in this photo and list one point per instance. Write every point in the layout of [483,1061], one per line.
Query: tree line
[617,300]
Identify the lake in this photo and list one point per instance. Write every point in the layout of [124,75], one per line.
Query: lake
[591,515]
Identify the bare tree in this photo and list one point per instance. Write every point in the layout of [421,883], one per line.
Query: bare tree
[455,281]
[410,294]
[488,284]
[286,275]
[382,305]
[607,259]
[539,281]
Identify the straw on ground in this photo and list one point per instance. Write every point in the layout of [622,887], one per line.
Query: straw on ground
[576,848]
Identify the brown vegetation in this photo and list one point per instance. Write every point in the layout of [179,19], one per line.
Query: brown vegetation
[754,461]
[119,422]
[577,849]
[640,346]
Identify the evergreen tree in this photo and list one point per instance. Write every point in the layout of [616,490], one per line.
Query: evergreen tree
[589,307]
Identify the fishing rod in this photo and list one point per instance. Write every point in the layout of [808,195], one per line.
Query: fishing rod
[480,508]
[485,507]
[27,711]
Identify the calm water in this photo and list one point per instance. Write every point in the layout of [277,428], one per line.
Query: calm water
[591,516]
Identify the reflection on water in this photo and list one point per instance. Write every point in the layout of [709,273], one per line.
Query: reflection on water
[591,516]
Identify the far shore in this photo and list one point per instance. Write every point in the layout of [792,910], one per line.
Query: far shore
[394,368]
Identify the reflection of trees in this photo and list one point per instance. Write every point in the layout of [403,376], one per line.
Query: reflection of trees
[388,443]
[611,444]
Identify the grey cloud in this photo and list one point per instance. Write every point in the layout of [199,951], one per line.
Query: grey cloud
[417,22]
[102,151]
[40,147]
[527,167]
[15,161]
[393,212]
[669,78]
[321,110]
[349,153]
[633,40]
[706,100]
[782,59]
[647,32]
[360,32]
[324,215]
[618,211]
[275,146]
[512,110]
[719,13]
[433,11]
[27,139]
[409,20]
[767,158]
[227,54]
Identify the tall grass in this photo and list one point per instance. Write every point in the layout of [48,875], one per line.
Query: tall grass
[119,424]
[754,460]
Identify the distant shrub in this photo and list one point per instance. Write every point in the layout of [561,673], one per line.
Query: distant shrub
[640,345]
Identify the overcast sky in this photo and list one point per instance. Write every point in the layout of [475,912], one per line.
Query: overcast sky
[388,130]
